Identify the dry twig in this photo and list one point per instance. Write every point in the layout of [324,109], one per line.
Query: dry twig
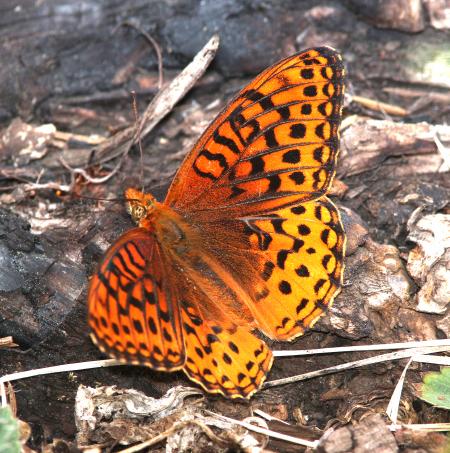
[432,96]
[7,342]
[155,45]
[177,427]
[378,106]
[159,107]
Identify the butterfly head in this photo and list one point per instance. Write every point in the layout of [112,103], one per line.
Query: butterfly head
[139,204]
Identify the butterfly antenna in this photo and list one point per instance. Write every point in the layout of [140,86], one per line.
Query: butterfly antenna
[121,199]
[138,132]
[156,186]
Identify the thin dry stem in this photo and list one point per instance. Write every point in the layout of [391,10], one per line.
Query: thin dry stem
[155,45]
[356,364]
[175,428]
[378,106]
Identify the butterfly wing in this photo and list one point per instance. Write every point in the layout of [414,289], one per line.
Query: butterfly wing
[274,145]
[222,356]
[147,311]
[288,262]
[255,185]
[133,312]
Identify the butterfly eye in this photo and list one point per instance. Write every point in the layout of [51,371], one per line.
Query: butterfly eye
[138,212]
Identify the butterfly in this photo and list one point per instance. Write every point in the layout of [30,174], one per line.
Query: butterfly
[246,240]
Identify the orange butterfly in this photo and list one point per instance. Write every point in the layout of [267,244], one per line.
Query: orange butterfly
[246,238]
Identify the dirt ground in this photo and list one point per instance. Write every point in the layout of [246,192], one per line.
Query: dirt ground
[67,72]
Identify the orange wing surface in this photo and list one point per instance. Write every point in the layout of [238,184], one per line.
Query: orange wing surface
[274,145]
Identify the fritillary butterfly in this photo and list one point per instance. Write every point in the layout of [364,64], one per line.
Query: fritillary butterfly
[245,240]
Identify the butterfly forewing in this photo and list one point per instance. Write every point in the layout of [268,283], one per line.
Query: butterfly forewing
[274,145]
[133,312]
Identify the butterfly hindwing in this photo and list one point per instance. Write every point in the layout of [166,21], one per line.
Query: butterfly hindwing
[289,263]
[231,361]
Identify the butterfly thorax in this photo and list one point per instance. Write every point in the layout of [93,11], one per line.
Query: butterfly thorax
[168,227]
[184,244]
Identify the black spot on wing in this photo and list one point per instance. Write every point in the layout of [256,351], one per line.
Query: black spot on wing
[281,258]
[292,156]
[302,271]
[274,183]
[320,130]
[235,192]
[306,109]
[257,164]
[298,130]
[310,91]
[307,73]
[220,158]
[226,141]
[301,305]
[298,210]
[270,138]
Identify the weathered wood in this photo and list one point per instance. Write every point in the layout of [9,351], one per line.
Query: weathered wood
[370,435]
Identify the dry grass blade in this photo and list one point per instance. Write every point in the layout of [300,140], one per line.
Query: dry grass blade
[358,363]
[369,347]
[53,369]
[435,360]
[268,432]
[394,403]
[268,417]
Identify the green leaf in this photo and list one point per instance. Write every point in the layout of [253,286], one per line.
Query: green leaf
[436,388]
[9,432]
